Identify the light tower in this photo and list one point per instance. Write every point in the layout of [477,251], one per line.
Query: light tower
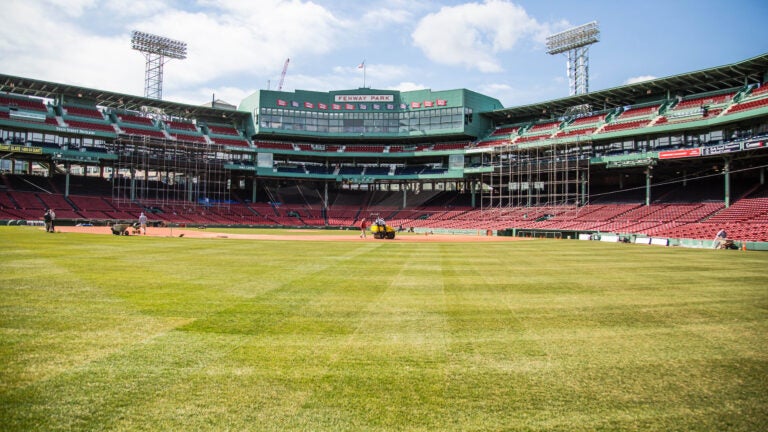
[575,43]
[156,49]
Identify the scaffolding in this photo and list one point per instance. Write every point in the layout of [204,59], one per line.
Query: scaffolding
[550,175]
[166,173]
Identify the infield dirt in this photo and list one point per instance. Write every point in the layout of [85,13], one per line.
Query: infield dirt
[295,235]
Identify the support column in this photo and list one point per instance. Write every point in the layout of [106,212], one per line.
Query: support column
[147,191]
[253,191]
[648,177]
[191,188]
[727,180]
[473,192]
[67,172]
[325,201]
[133,184]
[584,196]
[325,196]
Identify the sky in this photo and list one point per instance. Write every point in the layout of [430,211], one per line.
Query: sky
[494,47]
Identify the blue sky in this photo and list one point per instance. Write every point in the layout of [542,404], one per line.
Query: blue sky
[495,47]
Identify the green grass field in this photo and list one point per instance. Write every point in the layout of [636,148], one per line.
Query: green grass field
[100,332]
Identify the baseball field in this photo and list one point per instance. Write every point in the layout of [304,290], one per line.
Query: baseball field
[255,330]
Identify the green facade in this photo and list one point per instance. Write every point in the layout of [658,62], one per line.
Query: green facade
[369,113]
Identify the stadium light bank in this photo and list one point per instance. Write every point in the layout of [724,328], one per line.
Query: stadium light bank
[156,49]
[575,44]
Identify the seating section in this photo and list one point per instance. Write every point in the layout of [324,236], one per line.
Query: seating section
[505,131]
[376,171]
[350,171]
[492,142]
[626,125]
[690,109]
[184,131]
[26,110]
[27,204]
[575,132]
[234,142]
[697,102]
[189,137]
[639,112]
[226,136]
[746,219]
[274,145]
[135,119]
[23,103]
[81,111]
[749,105]
[542,127]
[449,146]
[101,127]
[38,117]
[365,148]
[757,98]
[182,126]
[761,91]
[531,138]
[222,130]
[743,210]
[152,133]
[588,120]
[696,108]
[86,118]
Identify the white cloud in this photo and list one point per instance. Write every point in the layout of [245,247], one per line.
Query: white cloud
[237,39]
[72,8]
[236,46]
[349,77]
[472,34]
[637,79]
[199,96]
[225,38]
[376,75]
[495,88]
[523,93]
[321,83]
[132,8]
[408,86]
[379,18]
[53,48]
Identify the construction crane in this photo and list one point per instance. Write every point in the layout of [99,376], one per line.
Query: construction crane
[282,75]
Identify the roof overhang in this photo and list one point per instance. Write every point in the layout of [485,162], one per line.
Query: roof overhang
[54,90]
[714,79]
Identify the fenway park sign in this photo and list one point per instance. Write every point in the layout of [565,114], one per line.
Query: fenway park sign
[363,98]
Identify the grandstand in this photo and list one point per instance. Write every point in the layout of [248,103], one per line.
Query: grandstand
[675,157]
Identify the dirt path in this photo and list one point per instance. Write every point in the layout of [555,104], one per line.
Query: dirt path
[296,235]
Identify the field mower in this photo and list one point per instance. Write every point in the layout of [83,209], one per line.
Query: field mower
[125,229]
[381,230]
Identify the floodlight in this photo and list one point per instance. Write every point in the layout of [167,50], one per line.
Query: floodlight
[575,43]
[156,49]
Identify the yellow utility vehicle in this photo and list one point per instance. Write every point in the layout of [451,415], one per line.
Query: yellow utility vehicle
[381,230]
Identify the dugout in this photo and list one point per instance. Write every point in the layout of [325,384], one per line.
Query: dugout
[536,233]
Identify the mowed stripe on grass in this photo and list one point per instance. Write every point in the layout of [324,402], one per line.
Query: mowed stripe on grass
[101,332]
